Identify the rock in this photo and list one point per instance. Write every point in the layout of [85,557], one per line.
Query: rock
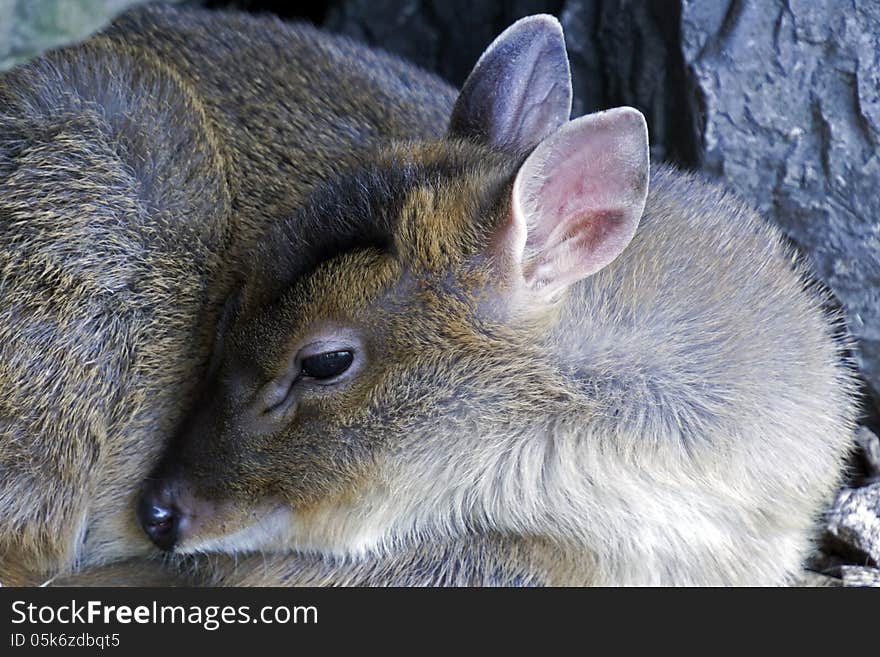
[622,53]
[808,578]
[860,576]
[789,93]
[869,446]
[854,521]
[628,53]
[427,33]
[28,27]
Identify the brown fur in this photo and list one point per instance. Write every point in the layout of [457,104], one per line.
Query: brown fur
[134,171]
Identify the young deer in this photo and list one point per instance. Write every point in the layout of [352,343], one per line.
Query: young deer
[514,354]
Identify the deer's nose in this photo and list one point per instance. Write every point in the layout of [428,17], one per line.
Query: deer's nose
[158,515]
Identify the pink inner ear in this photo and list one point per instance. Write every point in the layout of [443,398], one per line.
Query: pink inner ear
[579,197]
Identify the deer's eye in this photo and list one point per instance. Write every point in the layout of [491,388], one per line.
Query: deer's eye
[326,366]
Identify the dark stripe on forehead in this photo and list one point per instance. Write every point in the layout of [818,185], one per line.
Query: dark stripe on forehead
[358,210]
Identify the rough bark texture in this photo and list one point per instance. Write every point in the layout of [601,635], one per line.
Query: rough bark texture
[790,98]
[869,450]
[854,520]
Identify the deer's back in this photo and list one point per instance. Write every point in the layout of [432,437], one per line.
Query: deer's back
[133,170]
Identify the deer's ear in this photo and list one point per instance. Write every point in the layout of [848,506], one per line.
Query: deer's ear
[520,90]
[577,199]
